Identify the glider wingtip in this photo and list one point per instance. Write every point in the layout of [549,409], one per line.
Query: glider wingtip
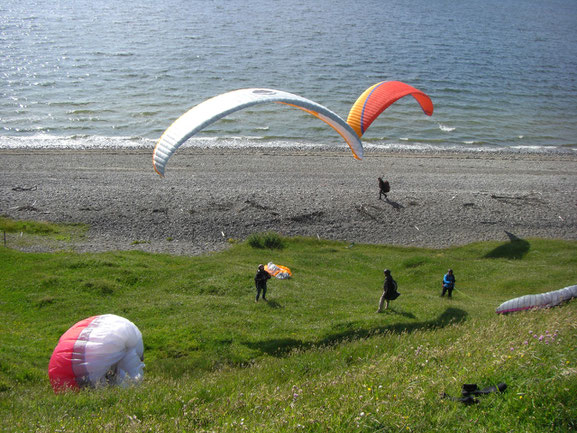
[158,171]
[358,155]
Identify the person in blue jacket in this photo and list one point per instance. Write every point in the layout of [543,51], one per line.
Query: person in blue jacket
[448,283]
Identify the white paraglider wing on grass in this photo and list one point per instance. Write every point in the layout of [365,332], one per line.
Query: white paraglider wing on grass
[211,110]
[542,300]
[115,343]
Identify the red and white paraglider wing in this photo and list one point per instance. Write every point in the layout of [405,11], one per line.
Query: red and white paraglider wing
[105,349]
[60,370]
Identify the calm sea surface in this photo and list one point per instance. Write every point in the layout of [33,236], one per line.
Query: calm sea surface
[85,73]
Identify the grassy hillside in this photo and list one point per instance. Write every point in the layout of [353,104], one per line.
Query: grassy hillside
[316,357]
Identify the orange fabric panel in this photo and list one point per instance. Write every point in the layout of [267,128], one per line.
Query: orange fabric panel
[378,98]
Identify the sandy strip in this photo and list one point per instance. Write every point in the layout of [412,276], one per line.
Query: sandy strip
[208,196]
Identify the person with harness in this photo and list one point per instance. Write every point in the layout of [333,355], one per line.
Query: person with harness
[389,291]
[448,283]
[384,187]
[260,280]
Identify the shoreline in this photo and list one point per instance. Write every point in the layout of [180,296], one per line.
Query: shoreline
[210,195]
[247,144]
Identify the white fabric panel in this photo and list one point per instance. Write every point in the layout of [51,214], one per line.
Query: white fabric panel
[547,299]
[113,340]
[220,106]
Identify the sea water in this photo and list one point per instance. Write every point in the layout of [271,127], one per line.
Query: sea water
[502,74]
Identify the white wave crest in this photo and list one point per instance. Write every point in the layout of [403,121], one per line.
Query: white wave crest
[445,128]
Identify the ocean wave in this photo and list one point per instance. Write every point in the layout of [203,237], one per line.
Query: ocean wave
[83,142]
[445,128]
[76,141]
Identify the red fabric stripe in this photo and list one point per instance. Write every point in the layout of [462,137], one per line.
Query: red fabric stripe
[387,93]
[60,369]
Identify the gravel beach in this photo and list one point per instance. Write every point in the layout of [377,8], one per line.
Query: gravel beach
[210,196]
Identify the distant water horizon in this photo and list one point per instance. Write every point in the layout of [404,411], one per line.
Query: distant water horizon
[502,74]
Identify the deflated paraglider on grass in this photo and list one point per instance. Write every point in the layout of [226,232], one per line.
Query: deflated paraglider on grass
[278,271]
[211,110]
[97,351]
[542,300]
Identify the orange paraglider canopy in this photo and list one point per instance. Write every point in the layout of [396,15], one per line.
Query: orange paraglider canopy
[378,98]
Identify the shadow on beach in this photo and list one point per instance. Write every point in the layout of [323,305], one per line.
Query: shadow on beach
[375,212]
[395,204]
[282,346]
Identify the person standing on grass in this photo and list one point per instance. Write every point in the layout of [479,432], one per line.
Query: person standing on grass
[260,281]
[448,283]
[389,291]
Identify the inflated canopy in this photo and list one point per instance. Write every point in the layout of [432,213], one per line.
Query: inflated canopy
[213,109]
[542,300]
[99,350]
[378,98]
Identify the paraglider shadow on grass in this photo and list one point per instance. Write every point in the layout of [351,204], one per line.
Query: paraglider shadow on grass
[283,346]
[516,248]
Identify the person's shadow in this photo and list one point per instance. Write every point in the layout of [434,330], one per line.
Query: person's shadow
[394,204]
[273,304]
[516,248]
[402,313]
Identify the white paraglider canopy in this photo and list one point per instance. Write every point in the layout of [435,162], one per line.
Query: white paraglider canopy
[542,300]
[211,110]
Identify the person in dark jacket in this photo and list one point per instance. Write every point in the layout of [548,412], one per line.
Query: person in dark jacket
[448,283]
[260,281]
[389,291]
[384,187]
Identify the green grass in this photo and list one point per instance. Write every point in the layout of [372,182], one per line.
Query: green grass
[316,357]
[22,234]
[268,240]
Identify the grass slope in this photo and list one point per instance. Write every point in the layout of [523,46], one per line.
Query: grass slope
[316,357]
